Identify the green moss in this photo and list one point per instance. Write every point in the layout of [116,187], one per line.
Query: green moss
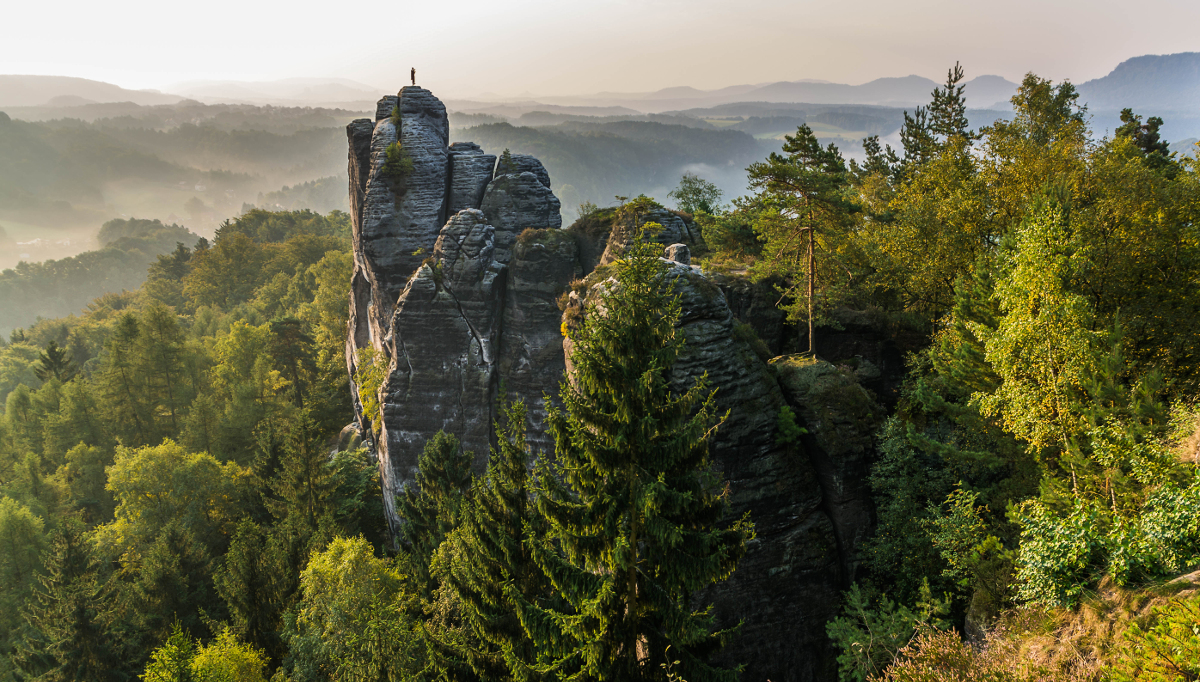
[369,374]
[746,333]
[596,223]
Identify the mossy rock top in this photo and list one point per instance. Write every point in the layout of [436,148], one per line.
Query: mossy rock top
[804,375]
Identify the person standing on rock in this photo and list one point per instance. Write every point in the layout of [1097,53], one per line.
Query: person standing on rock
[413,74]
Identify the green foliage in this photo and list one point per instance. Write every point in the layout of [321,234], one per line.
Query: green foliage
[696,195]
[398,164]
[22,542]
[629,485]
[1165,649]
[869,637]
[732,234]
[789,430]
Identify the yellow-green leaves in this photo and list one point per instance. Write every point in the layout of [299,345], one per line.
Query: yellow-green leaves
[1046,340]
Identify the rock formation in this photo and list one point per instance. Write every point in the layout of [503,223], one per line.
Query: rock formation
[460,266]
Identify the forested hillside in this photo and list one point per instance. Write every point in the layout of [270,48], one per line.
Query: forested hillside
[170,426]
[593,162]
[1044,445]
[188,163]
[56,288]
[180,500]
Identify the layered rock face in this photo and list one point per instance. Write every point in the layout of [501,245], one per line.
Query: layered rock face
[460,268]
[430,293]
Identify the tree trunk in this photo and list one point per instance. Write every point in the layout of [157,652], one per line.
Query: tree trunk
[812,275]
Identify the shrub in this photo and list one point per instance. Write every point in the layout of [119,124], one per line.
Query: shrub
[398,164]
[870,637]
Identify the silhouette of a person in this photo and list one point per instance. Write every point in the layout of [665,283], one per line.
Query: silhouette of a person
[413,75]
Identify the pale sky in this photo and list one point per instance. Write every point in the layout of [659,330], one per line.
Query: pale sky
[463,48]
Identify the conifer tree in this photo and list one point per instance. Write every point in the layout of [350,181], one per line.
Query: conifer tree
[249,583]
[304,484]
[948,110]
[487,563]
[123,387]
[70,638]
[55,362]
[291,349]
[805,186]
[630,500]
[432,507]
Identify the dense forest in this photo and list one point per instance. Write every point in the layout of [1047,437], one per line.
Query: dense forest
[1044,450]
[179,499]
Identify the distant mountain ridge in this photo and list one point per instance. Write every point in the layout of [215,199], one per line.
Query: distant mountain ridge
[1150,84]
[286,92]
[907,91]
[32,91]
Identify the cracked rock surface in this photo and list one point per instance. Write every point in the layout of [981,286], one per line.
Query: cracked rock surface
[460,268]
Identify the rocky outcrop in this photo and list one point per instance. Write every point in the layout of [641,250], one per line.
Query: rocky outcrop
[672,230]
[787,585]
[470,172]
[460,269]
[430,287]
[841,418]
[680,253]
[516,202]
[544,263]
[443,348]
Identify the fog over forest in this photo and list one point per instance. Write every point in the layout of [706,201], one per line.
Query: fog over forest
[653,341]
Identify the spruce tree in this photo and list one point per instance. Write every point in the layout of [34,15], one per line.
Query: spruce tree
[69,637]
[55,363]
[487,563]
[432,507]
[634,510]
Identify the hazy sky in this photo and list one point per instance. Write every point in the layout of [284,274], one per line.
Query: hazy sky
[466,47]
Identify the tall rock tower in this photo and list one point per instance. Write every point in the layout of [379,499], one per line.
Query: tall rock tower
[442,291]
[459,263]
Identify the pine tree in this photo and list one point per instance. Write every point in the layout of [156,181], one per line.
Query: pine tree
[805,185]
[433,506]
[630,499]
[948,110]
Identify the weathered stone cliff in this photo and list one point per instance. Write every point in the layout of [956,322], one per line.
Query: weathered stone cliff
[434,251]
[460,266]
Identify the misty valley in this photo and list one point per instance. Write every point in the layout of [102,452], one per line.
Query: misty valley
[793,381]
